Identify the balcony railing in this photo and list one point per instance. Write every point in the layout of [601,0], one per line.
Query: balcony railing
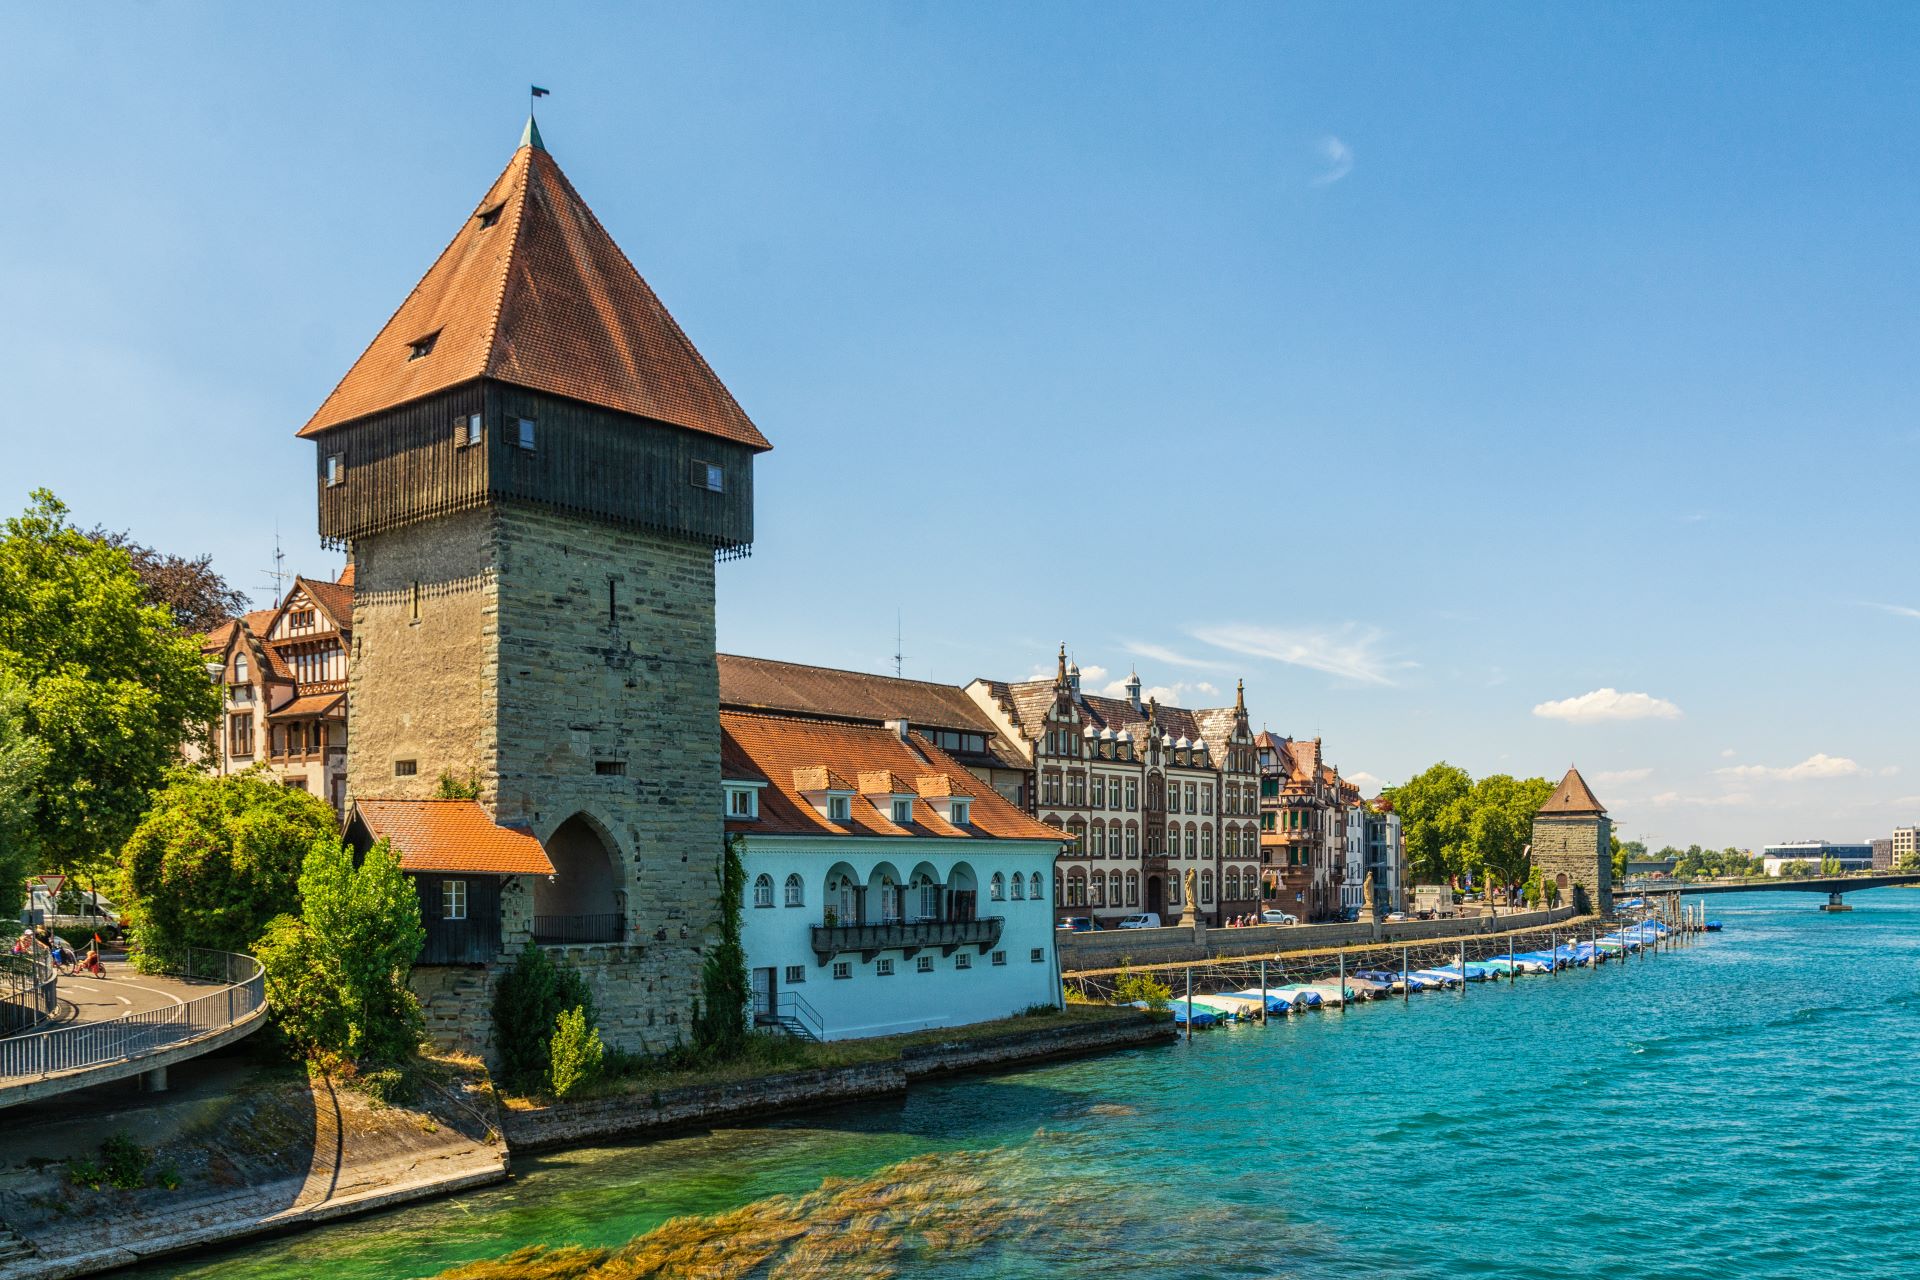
[559,930]
[907,936]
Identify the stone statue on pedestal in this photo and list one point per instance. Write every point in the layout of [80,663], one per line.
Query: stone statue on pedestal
[1366,896]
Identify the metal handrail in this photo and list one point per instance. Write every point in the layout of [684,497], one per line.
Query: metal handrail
[804,1013]
[138,1035]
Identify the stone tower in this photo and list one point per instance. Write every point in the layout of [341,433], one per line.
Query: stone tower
[535,472]
[1573,845]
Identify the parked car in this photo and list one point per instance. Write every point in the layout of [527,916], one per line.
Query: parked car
[84,913]
[1396,917]
[1077,924]
[1141,920]
[1278,917]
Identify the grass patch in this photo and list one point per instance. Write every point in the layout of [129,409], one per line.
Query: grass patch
[768,1054]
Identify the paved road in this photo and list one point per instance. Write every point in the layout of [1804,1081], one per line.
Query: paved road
[123,991]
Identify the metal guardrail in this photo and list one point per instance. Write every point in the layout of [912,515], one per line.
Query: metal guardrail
[28,995]
[909,936]
[137,1035]
[611,927]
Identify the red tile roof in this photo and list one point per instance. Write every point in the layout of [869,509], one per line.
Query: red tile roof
[312,704]
[1572,797]
[452,835]
[764,684]
[788,751]
[533,291]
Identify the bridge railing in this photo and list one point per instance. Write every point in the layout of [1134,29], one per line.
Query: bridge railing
[137,1035]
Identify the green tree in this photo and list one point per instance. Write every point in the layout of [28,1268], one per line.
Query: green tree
[114,688]
[527,1004]
[720,1016]
[216,859]
[337,974]
[22,760]
[577,1054]
[1435,809]
[1500,823]
[1907,862]
[1797,869]
[187,588]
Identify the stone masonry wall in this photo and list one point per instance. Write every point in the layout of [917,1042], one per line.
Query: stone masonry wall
[533,648]
[606,653]
[1581,848]
[421,682]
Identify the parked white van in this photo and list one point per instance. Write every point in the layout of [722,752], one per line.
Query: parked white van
[1142,920]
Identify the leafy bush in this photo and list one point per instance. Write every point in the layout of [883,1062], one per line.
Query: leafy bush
[122,1163]
[527,1004]
[577,1053]
[1130,986]
[337,975]
[216,859]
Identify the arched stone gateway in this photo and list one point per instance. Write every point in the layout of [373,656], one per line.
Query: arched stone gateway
[582,901]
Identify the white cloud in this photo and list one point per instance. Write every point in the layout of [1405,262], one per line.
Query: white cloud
[1817,766]
[1623,775]
[1363,780]
[1350,651]
[1608,704]
[1897,610]
[1728,754]
[1339,158]
[1732,799]
[1158,653]
[1091,675]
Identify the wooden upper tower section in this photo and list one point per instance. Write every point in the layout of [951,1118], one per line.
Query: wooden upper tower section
[588,397]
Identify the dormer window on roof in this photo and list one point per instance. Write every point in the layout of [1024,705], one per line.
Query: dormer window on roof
[839,808]
[421,348]
[743,801]
[488,217]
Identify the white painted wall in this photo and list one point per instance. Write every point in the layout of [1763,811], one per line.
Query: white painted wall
[867,1004]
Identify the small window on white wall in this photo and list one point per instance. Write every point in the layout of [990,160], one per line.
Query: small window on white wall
[962,813]
[884,968]
[796,891]
[743,803]
[796,974]
[763,890]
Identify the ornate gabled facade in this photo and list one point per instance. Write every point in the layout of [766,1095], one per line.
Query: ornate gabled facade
[1304,804]
[284,674]
[1144,793]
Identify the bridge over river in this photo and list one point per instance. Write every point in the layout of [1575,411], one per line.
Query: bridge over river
[1832,886]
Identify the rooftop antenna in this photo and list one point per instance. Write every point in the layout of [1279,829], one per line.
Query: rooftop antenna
[899,657]
[278,574]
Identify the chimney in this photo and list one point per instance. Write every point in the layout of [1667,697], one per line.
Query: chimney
[900,727]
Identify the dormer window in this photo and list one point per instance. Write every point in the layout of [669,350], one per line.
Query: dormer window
[839,808]
[902,812]
[421,348]
[488,217]
[962,812]
[743,802]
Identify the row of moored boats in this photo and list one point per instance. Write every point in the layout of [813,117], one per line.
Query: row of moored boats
[1254,1004]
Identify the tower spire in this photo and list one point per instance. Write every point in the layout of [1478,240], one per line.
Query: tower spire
[530,136]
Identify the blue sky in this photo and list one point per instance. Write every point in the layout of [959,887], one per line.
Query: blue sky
[1435,368]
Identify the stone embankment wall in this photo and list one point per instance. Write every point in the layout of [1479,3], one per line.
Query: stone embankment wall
[1109,949]
[253,1156]
[631,1115]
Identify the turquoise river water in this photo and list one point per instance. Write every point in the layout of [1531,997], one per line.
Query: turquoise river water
[1744,1106]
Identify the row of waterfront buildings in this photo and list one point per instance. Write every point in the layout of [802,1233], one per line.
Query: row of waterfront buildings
[1900,849]
[535,476]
